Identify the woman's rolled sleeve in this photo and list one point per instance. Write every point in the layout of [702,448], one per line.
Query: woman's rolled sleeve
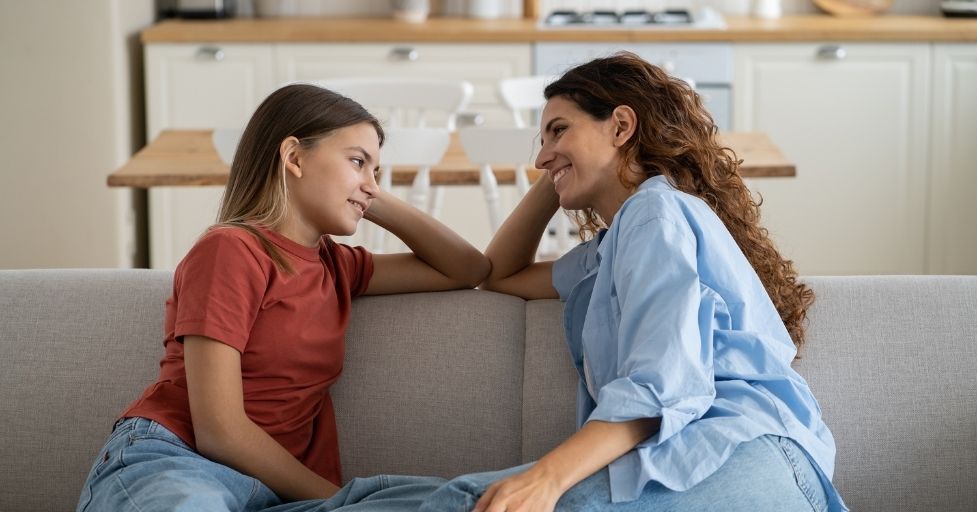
[664,347]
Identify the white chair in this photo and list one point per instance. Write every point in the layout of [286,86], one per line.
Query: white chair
[408,101]
[492,146]
[523,95]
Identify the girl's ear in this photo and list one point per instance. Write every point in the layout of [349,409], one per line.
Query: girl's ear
[625,123]
[288,151]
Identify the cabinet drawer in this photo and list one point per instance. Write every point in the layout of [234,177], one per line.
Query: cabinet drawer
[205,86]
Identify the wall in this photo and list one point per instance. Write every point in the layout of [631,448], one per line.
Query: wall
[72,113]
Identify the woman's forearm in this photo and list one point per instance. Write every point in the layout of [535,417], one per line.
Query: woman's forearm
[429,240]
[594,446]
[514,246]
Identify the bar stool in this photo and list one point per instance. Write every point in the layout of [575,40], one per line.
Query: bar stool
[523,95]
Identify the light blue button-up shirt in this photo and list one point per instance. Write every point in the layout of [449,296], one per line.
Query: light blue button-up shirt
[669,320]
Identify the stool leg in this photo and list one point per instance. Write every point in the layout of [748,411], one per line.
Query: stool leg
[437,201]
[562,232]
[490,188]
[421,188]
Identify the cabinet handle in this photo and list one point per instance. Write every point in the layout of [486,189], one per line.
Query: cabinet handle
[404,53]
[470,119]
[210,53]
[832,52]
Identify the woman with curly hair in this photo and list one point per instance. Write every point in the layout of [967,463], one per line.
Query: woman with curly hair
[681,316]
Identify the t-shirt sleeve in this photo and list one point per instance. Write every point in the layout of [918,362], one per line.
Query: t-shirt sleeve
[219,287]
[355,264]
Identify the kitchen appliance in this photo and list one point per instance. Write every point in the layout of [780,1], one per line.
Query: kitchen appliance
[709,66]
[959,9]
[197,9]
[702,18]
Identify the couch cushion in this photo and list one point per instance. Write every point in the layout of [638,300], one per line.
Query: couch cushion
[550,392]
[76,347]
[891,361]
[432,384]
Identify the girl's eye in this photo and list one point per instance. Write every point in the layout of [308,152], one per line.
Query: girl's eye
[358,161]
[557,130]
[376,174]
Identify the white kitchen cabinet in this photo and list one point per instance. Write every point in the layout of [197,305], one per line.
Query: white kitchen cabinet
[854,118]
[953,161]
[481,64]
[197,86]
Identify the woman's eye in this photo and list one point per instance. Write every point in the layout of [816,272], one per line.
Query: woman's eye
[559,130]
[357,161]
[376,174]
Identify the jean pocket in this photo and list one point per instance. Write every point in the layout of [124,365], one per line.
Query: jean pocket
[157,432]
[805,474]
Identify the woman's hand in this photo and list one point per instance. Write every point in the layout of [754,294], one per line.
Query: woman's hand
[530,491]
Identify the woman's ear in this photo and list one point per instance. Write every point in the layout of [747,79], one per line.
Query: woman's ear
[288,151]
[625,123]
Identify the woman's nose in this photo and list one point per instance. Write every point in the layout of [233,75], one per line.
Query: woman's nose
[544,157]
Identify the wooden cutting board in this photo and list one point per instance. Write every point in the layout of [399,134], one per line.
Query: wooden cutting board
[854,7]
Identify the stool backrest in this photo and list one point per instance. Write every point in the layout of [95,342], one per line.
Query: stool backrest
[407,101]
[524,93]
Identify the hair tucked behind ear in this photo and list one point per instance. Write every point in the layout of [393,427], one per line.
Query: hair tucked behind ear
[676,137]
[256,192]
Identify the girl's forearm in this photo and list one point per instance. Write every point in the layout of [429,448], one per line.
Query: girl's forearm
[429,240]
[247,448]
[514,246]
[591,448]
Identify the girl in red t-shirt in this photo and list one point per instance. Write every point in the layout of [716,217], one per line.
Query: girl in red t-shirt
[240,417]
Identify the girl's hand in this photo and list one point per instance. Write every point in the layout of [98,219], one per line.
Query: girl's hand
[531,491]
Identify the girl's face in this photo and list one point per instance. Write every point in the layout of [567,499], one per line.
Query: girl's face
[332,184]
[581,155]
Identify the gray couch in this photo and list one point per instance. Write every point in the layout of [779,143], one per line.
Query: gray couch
[447,383]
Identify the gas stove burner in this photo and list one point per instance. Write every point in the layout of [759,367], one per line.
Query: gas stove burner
[703,18]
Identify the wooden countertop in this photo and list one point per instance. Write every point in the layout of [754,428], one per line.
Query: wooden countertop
[186,158]
[460,30]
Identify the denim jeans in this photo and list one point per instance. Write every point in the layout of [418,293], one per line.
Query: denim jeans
[145,467]
[770,473]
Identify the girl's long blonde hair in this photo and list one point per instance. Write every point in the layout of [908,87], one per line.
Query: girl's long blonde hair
[676,137]
[257,193]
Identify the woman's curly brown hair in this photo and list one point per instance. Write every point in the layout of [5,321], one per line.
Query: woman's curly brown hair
[676,137]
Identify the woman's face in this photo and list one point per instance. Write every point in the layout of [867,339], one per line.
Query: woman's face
[338,181]
[580,155]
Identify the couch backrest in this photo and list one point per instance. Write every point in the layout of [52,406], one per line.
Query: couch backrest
[892,361]
[454,382]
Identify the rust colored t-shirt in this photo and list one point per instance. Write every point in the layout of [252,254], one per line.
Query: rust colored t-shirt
[289,329]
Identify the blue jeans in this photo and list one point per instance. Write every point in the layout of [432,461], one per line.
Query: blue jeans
[145,467]
[770,473]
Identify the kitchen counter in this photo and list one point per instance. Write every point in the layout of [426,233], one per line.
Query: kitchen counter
[460,30]
[187,158]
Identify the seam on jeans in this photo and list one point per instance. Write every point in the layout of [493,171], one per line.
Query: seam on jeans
[802,482]
[157,437]
[126,492]
[384,482]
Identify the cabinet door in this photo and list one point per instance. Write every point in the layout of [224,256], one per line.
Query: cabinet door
[854,118]
[953,209]
[197,86]
[481,64]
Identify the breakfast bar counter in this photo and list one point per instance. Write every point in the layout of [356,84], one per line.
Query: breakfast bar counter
[187,158]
